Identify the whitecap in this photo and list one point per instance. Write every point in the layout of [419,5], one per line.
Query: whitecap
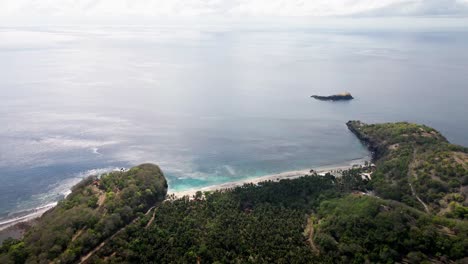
[230,169]
[96,151]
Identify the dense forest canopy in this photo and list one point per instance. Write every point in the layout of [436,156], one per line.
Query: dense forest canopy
[410,208]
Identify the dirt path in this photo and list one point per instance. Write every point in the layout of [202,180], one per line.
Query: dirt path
[310,236]
[77,234]
[152,218]
[96,249]
[419,199]
[426,208]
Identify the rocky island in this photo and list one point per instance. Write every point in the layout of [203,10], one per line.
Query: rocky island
[336,97]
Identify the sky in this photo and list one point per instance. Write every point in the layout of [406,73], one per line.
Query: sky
[101,10]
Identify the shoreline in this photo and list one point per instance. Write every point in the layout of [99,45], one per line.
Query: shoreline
[29,215]
[8,224]
[37,213]
[322,170]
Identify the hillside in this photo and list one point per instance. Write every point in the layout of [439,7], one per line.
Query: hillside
[95,210]
[410,208]
[418,166]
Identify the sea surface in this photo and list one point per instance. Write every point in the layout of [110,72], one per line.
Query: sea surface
[210,104]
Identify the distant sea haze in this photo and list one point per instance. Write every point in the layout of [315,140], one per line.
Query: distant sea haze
[209,105]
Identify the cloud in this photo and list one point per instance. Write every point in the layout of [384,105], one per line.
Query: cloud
[102,9]
[423,8]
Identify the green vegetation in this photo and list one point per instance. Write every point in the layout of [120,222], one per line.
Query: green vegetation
[412,209]
[94,211]
[359,229]
[410,156]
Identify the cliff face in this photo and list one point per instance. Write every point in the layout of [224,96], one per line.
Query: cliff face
[372,144]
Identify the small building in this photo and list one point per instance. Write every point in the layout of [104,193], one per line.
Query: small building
[366,176]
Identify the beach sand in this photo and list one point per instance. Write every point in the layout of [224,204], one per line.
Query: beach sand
[17,230]
[333,169]
[36,213]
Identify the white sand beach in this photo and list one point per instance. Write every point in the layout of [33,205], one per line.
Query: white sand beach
[334,169]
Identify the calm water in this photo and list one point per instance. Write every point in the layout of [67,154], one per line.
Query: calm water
[210,105]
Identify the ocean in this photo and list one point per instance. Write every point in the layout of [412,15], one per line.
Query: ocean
[210,104]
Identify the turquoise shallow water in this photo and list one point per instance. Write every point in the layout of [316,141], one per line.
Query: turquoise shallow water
[210,105]
[217,182]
